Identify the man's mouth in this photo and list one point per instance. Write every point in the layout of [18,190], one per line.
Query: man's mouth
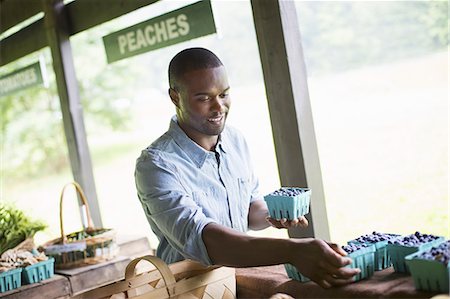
[216,119]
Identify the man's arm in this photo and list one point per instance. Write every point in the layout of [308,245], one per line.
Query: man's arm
[318,260]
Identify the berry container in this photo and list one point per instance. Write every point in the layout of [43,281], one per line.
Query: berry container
[363,259]
[429,275]
[382,257]
[37,272]
[288,202]
[294,274]
[10,280]
[399,252]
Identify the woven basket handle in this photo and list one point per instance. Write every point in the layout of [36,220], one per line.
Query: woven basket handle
[160,265]
[83,199]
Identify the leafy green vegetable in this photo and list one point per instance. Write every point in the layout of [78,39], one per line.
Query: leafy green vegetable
[16,227]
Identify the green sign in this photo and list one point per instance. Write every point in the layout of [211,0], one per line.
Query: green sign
[21,79]
[180,25]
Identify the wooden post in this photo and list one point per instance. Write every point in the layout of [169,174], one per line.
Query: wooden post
[56,25]
[285,80]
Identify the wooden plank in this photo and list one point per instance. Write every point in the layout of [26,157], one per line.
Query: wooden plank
[56,286]
[285,79]
[23,42]
[85,14]
[80,15]
[80,160]
[13,12]
[84,279]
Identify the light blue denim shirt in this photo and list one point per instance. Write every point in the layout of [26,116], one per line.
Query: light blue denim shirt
[183,187]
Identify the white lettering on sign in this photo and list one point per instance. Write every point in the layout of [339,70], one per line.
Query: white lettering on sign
[21,79]
[170,28]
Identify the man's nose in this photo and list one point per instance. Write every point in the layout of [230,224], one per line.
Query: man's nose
[218,104]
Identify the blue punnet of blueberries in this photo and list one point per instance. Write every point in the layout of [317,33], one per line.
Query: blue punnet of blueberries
[350,248]
[288,191]
[375,237]
[439,253]
[413,240]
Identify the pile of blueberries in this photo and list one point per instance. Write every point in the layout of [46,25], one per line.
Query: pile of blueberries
[413,240]
[440,253]
[287,191]
[350,248]
[375,237]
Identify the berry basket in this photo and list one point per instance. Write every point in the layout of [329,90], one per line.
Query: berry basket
[380,241]
[405,246]
[428,272]
[37,272]
[288,202]
[10,280]
[294,274]
[363,256]
[86,247]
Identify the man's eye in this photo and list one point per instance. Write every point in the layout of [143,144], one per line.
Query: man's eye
[204,99]
[224,95]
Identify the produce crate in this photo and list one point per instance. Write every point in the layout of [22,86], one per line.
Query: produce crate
[428,275]
[363,259]
[294,274]
[382,257]
[288,206]
[37,272]
[10,280]
[399,252]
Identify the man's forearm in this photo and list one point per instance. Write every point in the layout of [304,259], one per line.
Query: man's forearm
[235,249]
[322,262]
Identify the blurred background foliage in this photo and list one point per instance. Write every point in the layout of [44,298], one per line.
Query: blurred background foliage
[107,91]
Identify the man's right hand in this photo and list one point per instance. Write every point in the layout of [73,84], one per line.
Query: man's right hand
[322,262]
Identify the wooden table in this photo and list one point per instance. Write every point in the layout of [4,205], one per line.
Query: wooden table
[262,282]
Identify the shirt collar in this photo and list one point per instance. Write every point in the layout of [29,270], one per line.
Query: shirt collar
[192,149]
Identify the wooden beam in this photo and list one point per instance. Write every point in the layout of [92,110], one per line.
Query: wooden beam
[81,15]
[13,12]
[285,80]
[85,14]
[23,42]
[58,38]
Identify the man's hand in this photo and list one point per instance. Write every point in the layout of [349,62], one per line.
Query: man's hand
[322,262]
[284,223]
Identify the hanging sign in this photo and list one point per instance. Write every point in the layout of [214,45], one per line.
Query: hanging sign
[180,25]
[21,79]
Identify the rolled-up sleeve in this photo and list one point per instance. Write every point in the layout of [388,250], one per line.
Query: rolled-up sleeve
[169,205]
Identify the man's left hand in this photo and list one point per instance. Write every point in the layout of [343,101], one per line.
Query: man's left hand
[284,223]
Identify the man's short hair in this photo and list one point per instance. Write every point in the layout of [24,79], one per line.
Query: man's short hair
[189,60]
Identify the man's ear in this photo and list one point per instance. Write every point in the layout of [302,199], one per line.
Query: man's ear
[174,96]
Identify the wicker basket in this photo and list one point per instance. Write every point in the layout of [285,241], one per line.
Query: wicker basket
[86,247]
[182,280]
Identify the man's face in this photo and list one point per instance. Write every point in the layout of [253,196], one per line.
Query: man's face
[203,102]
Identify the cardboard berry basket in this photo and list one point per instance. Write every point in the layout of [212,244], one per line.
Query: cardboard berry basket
[288,206]
[382,257]
[364,260]
[399,252]
[10,280]
[293,273]
[86,247]
[428,275]
[39,271]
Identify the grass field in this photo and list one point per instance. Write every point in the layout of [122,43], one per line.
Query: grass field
[382,135]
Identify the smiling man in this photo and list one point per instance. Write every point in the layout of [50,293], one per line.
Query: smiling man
[199,192]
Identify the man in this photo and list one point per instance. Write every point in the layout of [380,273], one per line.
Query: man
[199,192]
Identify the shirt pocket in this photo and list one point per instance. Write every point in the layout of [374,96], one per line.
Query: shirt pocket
[244,196]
